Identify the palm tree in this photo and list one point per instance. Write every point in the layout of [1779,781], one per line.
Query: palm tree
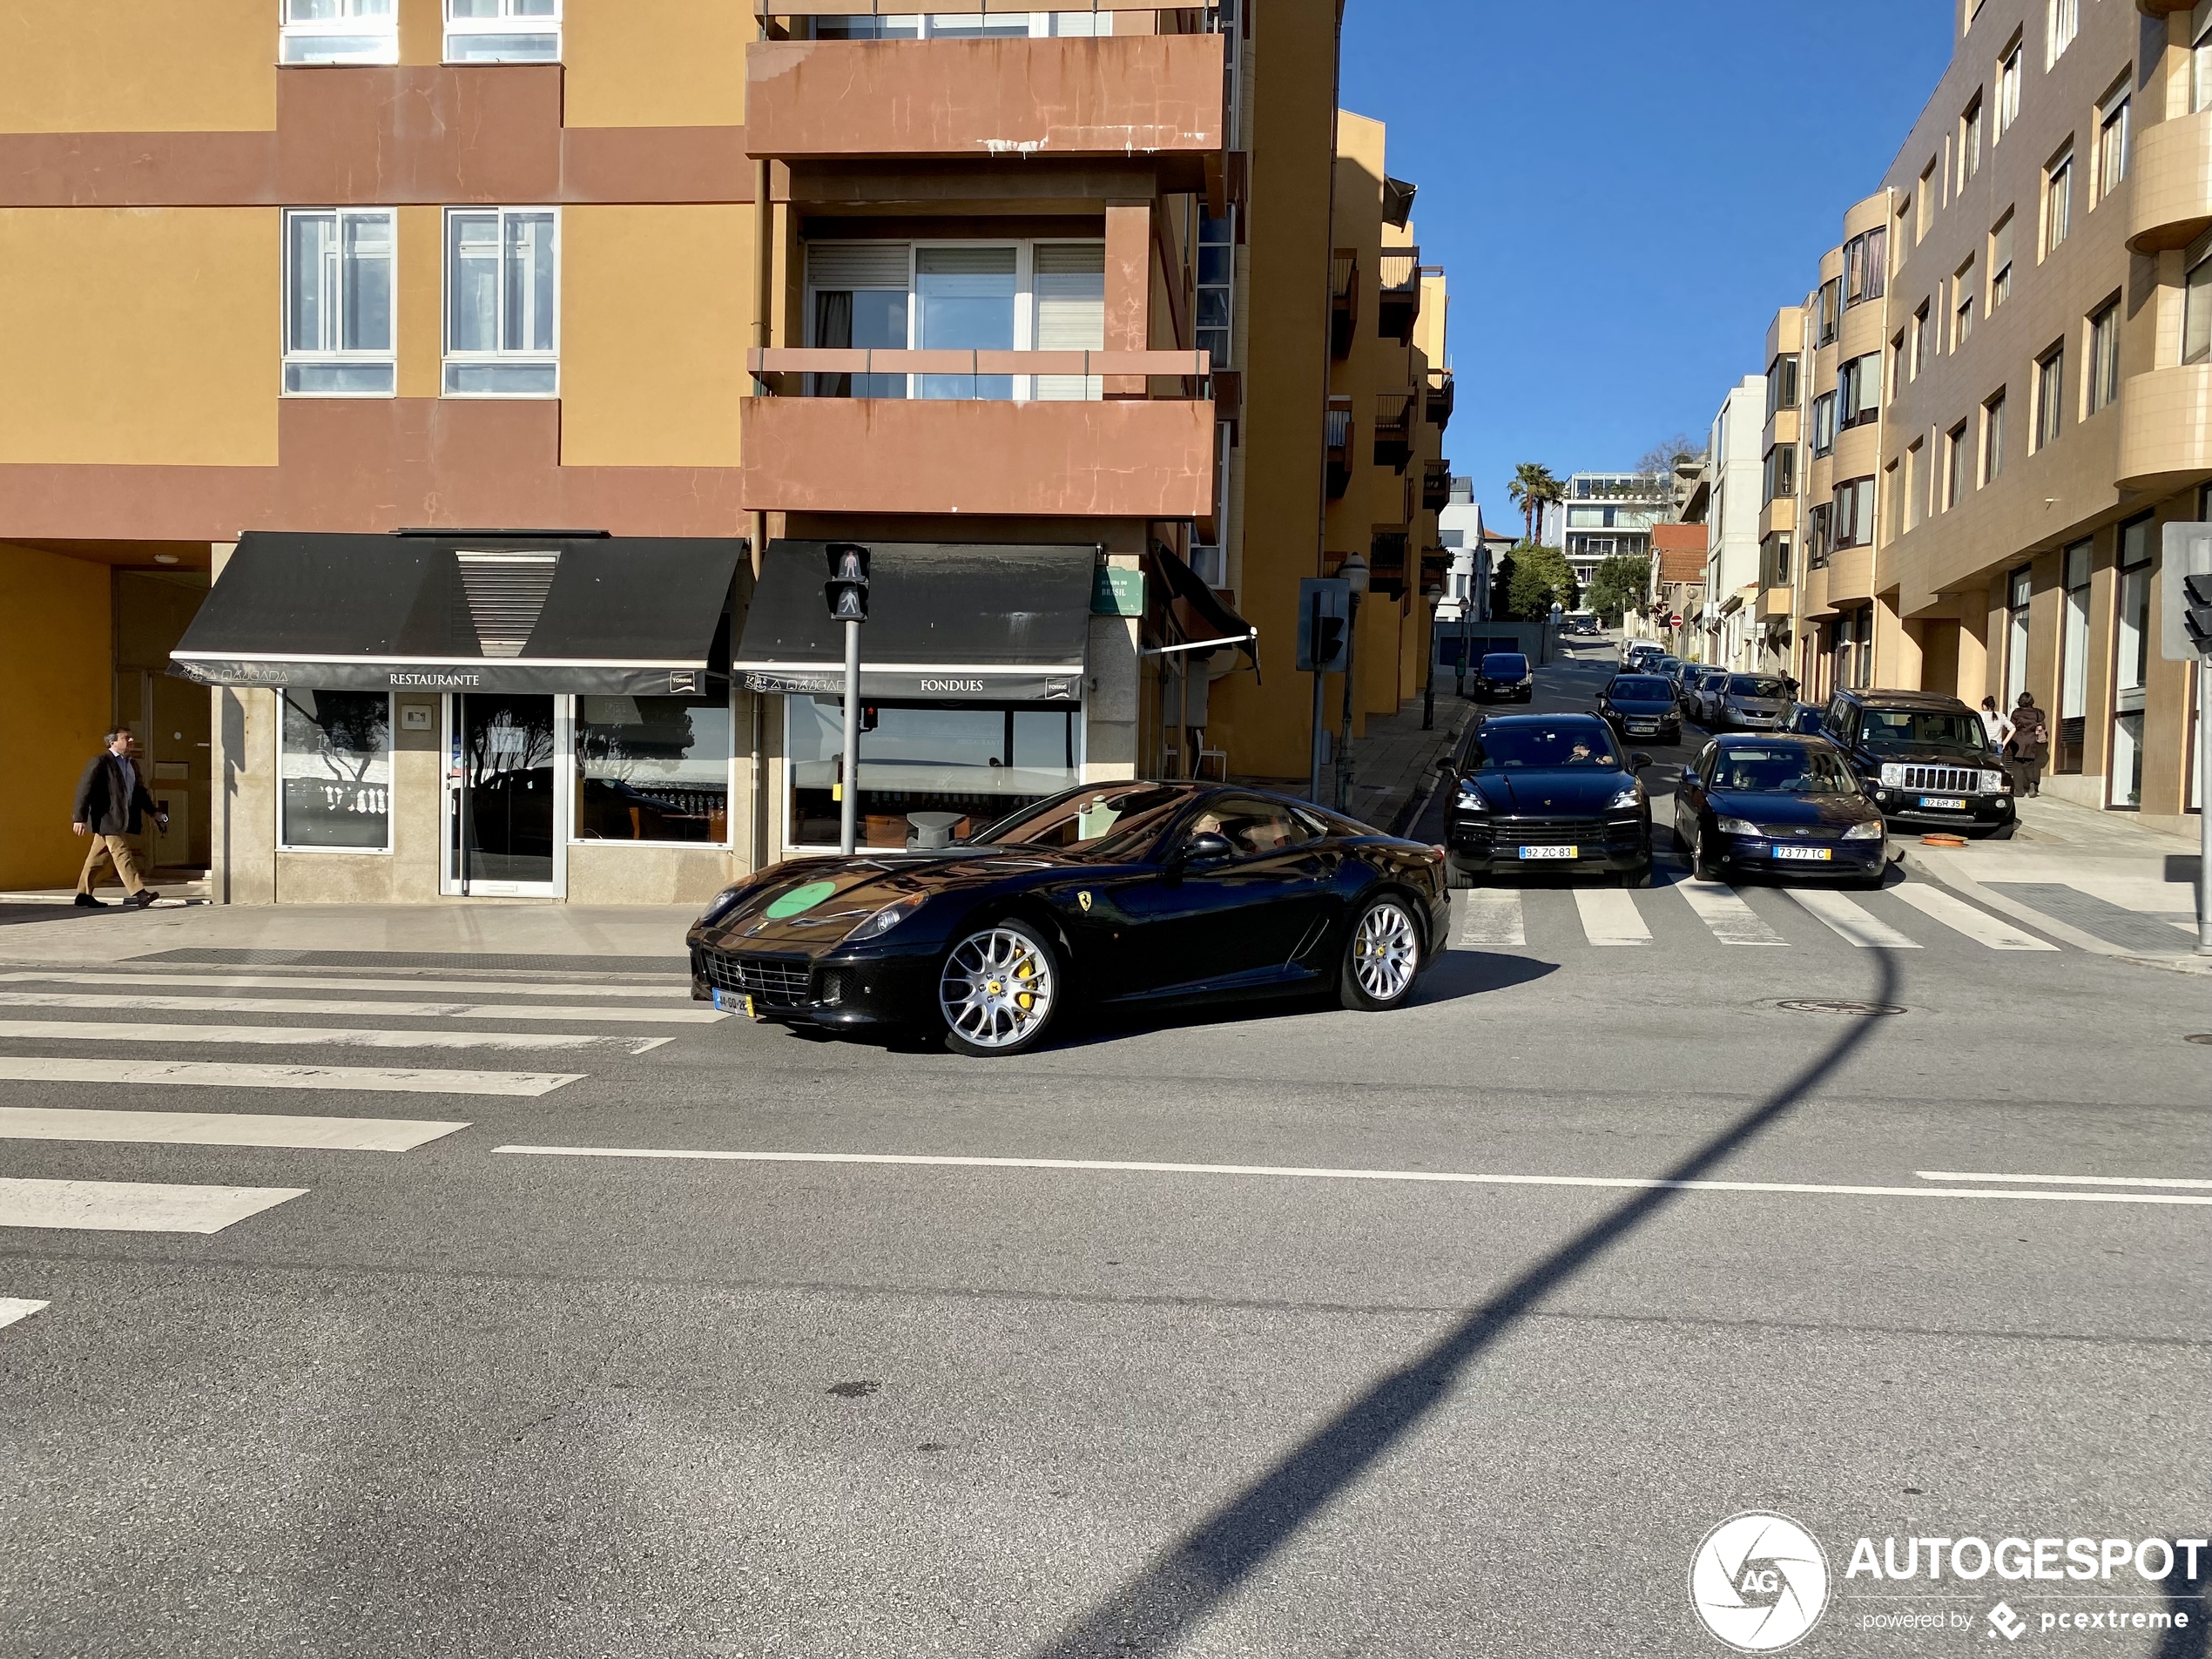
[1533,489]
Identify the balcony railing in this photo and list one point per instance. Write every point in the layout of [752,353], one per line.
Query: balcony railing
[1399,274]
[1436,568]
[1344,301]
[823,371]
[978,18]
[1388,548]
[1337,429]
[1436,486]
[1440,398]
[1393,430]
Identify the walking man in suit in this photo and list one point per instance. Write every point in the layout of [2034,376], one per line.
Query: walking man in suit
[113,802]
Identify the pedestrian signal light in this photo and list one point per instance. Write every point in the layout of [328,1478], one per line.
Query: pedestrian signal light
[848,588]
[2197,615]
[1324,625]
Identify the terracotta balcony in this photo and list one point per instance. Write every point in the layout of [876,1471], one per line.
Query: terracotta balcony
[1774,602]
[2166,426]
[2171,176]
[1119,95]
[1066,456]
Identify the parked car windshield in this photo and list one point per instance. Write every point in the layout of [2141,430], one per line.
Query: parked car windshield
[1567,743]
[1911,728]
[1107,823]
[1643,690]
[1788,769]
[1505,665]
[1755,685]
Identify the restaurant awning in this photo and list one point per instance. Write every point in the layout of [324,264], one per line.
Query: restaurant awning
[1207,620]
[946,623]
[456,611]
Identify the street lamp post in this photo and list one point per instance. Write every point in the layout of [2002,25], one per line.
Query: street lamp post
[847,593]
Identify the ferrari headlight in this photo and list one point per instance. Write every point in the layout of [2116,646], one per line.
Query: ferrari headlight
[886,919]
[1994,783]
[1739,826]
[722,904]
[1870,831]
[1632,796]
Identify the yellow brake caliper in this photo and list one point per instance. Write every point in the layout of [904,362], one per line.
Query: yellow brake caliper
[1026,1000]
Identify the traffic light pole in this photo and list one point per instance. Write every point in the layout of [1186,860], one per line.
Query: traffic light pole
[1315,793]
[849,797]
[2204,810]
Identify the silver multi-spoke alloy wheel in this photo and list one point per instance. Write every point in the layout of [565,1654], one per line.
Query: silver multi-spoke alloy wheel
[1386,951]
[996,990]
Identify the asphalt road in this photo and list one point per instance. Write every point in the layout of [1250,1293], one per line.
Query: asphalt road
[1285,1393]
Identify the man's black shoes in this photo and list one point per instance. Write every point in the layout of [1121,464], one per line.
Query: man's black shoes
[143,898]
[86,901]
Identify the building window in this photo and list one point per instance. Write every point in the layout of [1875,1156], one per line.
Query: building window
[2112,143]
[1922,346]
[1970,141]
[1925,203]
[1782,383]
[1831,309]
[502,31]
[1817,521]
[1217,285]
[2008,91]
[2065,24]
[339,31]
[1954,465]
[2019,592]
[1853,524]
[334,771]
[2104,357]
[1775,561]
[2001,262]
[1915,505]
[338,325]
[1781,481]
[1993,438]
[1896,364]
[1859,386]
[2058,201]
[1865,265]
[653,769]
[961,26]
[1962,305]
[2131,662]
[2050,395]
[2074,662]
[2200,59]
[2196,313]
[1823,424]
[502,302]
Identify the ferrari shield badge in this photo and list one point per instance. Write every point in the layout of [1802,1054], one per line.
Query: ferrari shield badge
[1083,898]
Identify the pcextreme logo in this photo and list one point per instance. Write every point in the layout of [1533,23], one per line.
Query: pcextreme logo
[1759,1582]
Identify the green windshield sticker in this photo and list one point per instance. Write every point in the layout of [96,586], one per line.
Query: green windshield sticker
[801,898]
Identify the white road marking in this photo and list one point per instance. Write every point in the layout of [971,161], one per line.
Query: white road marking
[333,1036]
[1610,916]
[677,989]
[1978,925]
[2067,1180]
[133,1206]
[527,1084]
[1297,1173]
[1853,923]
[695,1016]
[1724,911]
[221,1128]
[1490,917]
[14,1307]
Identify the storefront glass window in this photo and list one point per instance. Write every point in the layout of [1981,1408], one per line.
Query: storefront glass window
[336,769]
[652,769]
[955,766]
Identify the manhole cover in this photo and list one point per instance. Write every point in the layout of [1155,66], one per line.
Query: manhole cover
[2204,1037]
[1803,1006]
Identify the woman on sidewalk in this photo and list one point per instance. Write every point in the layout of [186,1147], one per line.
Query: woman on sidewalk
[1994,723]
[2025,750]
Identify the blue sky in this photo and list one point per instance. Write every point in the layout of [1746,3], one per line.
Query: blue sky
[1731,133]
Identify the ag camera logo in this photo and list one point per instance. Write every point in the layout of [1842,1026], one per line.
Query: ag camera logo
[1759,1582]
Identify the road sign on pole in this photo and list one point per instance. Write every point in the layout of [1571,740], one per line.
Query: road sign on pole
[2185,634]
[847,593]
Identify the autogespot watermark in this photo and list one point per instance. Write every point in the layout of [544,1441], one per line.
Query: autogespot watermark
[1760,1582]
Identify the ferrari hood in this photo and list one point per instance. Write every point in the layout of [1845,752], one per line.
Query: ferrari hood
[813,903]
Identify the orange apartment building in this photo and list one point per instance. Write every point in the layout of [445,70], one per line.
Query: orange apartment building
[505,367]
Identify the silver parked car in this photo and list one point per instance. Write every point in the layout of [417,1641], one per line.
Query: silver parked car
[1701,690]
[1752,703]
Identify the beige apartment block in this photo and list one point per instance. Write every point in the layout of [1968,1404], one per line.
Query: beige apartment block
[2004,390]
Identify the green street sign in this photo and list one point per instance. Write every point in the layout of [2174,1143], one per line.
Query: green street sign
[1117,593]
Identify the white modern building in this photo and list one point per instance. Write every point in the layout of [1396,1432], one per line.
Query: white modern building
[1610,513]
[1732,515]
[1467,577]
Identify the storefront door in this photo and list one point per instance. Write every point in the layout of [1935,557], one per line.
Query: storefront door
[506,795]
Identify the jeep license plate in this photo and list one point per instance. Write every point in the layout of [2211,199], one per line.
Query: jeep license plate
[1944,803]
[1547,852]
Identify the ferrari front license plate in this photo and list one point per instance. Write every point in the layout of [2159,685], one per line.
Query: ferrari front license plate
[737,1003]
[1816,855]
[1547,852]
[1944,803]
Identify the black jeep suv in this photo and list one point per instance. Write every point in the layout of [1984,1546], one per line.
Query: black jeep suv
[1926,760]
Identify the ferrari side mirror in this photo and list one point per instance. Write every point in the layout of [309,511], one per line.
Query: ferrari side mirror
[1205,847]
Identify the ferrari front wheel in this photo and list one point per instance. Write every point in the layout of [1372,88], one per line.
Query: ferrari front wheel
[1382,957]
[998,990]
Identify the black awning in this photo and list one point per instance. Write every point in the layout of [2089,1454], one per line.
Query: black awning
[946,623]
[488,612]
[1215,621]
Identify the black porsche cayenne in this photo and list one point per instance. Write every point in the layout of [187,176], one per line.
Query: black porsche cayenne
[1127,893]
[1551,792]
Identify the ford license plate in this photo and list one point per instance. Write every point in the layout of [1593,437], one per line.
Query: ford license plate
[735,1002]
[1547,852]
[1814,854]
[1944,803]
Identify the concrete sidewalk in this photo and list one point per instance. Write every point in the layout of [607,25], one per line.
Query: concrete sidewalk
[1394,765]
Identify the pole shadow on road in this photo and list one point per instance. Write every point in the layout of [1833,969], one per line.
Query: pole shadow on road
[2185,1597]
[1165,1600]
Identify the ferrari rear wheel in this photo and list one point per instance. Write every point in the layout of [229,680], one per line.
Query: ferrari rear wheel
[1382,957]
[998,990]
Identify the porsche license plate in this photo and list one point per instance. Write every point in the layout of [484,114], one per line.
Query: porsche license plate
[1547,852]
[1944,803]
[737,1003]
[1811,854]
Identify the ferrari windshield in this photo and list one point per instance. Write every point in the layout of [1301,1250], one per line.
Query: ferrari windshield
[1109,821]
[1564,743]
[1923,728]
[1786,769]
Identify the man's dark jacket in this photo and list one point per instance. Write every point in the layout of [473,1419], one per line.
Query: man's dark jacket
[100,801]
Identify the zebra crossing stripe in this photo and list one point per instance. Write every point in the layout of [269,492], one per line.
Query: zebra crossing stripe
[1854,924]
[1610,916]
[133,1206]
[287,1005]
[526,1085]
[676,990]
[14,1307]
[1726,916]
[221,1128]
[331,1037]
[1956,914]
[1490,916]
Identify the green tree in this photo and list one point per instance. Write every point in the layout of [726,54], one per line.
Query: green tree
[1541,577]
[1532,489]
[1620,585]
